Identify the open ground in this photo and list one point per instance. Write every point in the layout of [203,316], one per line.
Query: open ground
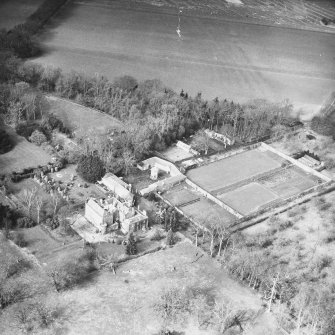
[23,155]
[13,12]
[80,118]
[122,304]
[216,55]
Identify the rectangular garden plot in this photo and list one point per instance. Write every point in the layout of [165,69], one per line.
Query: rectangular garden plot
[248,198]
[289,182]
[181,196]
[231,170]
[205,210]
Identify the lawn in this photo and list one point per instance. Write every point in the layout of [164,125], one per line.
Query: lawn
[80,118]
[228,171]
[23,155]
[248,198]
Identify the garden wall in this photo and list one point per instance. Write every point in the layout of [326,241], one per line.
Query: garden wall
[295,162]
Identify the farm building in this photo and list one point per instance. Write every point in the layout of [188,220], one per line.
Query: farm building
[117,187]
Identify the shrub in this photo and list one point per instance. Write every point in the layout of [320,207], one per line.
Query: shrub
[25,222]
[66,228]
[131,248]
[285,225]
[37,137]
[156,236]
[52,223]
[91,168]
[323,262]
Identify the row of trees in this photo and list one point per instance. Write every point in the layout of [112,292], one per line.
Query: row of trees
[153,115]
[20,40]
[175,307]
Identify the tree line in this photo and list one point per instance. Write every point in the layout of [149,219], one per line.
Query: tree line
[153,115]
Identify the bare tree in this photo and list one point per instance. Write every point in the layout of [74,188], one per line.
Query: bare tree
[39,204]
[273,286]
[223,234]
[128,160]
[172,307]
[55,202]
[227,316]
[201,141]
[28,198]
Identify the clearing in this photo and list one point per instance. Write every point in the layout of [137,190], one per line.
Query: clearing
[81,118]
[23,155]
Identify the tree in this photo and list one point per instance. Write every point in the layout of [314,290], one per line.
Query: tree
[90,168]
[131,248]
[172,307]
[201,141]
[227,316]
[55,202]
[126,83]
[223,234]
[128,160]
[170,238]
[6,143]
[37,137]
[28,197]
[39,203]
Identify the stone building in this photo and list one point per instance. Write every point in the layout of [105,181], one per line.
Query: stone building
[114,185]
[113,214]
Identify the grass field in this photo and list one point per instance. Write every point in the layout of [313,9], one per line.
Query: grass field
[80,118]
[227,171]
[13,12]
[23,155]
[248,198]
[123,304]
[217,55]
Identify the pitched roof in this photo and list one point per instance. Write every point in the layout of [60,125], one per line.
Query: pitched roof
[96,207]
[116,185]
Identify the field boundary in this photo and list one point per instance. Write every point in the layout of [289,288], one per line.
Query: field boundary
[223,18]
[55,97]
[214,199]
[296,163]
